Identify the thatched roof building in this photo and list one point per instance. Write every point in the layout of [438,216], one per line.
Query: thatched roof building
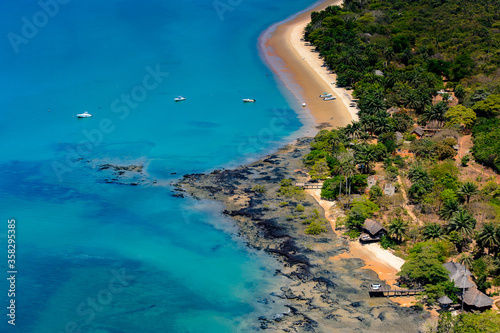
[373,227]
[373,231]
[459,274]
[472,297]
[419,131]
[476,299]
[444,301]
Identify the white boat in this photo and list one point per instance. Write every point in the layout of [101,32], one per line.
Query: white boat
[248,100]
[180,98]
[329,98]
[84,115]
[303,105]
[325,95]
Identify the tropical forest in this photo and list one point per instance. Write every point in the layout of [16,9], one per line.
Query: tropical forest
[424,155]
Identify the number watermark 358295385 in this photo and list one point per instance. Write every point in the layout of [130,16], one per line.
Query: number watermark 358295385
[11,271]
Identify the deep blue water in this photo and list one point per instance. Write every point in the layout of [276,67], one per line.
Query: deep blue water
[119,258]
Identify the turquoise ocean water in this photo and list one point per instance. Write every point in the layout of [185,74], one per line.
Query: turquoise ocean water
[99,257]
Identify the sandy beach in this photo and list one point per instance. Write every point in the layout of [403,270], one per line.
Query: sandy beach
[326,277]
[303,72]
[382,262]
[301,69]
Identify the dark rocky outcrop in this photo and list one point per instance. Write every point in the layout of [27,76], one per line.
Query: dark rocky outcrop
[323,295]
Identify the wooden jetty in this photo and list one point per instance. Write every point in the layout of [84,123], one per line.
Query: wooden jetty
[310,185]
[385,291]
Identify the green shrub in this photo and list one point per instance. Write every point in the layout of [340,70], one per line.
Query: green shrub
[332,187]
[259,189]
[465,160]
[375,192]
[300,208]
[316,228]
[289,217]
[283,204]
[353,233]
[392,172]
[288,190]
[387,242]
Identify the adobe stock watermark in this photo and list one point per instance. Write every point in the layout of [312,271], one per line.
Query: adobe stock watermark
[88,309]
[121,107]
[221,7]
[30,27]
[276,125]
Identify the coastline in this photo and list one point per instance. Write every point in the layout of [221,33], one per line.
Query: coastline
[302,71]
[327,281]
[329,277]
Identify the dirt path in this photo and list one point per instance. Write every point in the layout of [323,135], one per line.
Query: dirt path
[383,262]
[405,205]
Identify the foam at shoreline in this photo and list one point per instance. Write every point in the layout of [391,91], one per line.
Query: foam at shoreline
[301,70]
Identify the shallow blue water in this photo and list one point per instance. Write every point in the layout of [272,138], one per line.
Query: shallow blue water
[149,262]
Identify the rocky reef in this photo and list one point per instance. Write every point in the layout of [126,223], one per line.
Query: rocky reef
[323,294]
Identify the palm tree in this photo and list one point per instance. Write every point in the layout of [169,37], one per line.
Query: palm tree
[349,170]
[462,222]
[488,237]
[354,130]
[373,103]
[435,112]
[382,124]
[465,259]
[389,53]
[398,229]
[346,166]
[434,232]
[365,156]
[467,190]
[339,170]
[449,208]
[368,123]
[418,174]
[349,130]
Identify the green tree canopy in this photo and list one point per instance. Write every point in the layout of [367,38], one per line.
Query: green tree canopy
[458,115]
[320,170]
[425,264]
[490,107]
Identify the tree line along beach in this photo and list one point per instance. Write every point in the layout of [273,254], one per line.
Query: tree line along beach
[306,229]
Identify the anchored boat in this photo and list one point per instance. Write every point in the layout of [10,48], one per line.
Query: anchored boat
[84,115]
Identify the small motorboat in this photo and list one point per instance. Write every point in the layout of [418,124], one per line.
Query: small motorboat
[329,98]
[304,105]
[84,115]
[325,95]
[248,100]
[180,98]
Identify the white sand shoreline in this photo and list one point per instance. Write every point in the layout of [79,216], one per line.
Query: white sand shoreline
[301,70]
[313,59]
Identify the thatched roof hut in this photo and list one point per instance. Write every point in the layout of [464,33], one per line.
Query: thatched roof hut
[444,301]
[419,131]
[474,298]
[373,227]
[459,274]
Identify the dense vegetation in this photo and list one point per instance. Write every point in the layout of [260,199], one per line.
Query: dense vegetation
[487,322]
[396,55]
[401,53]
